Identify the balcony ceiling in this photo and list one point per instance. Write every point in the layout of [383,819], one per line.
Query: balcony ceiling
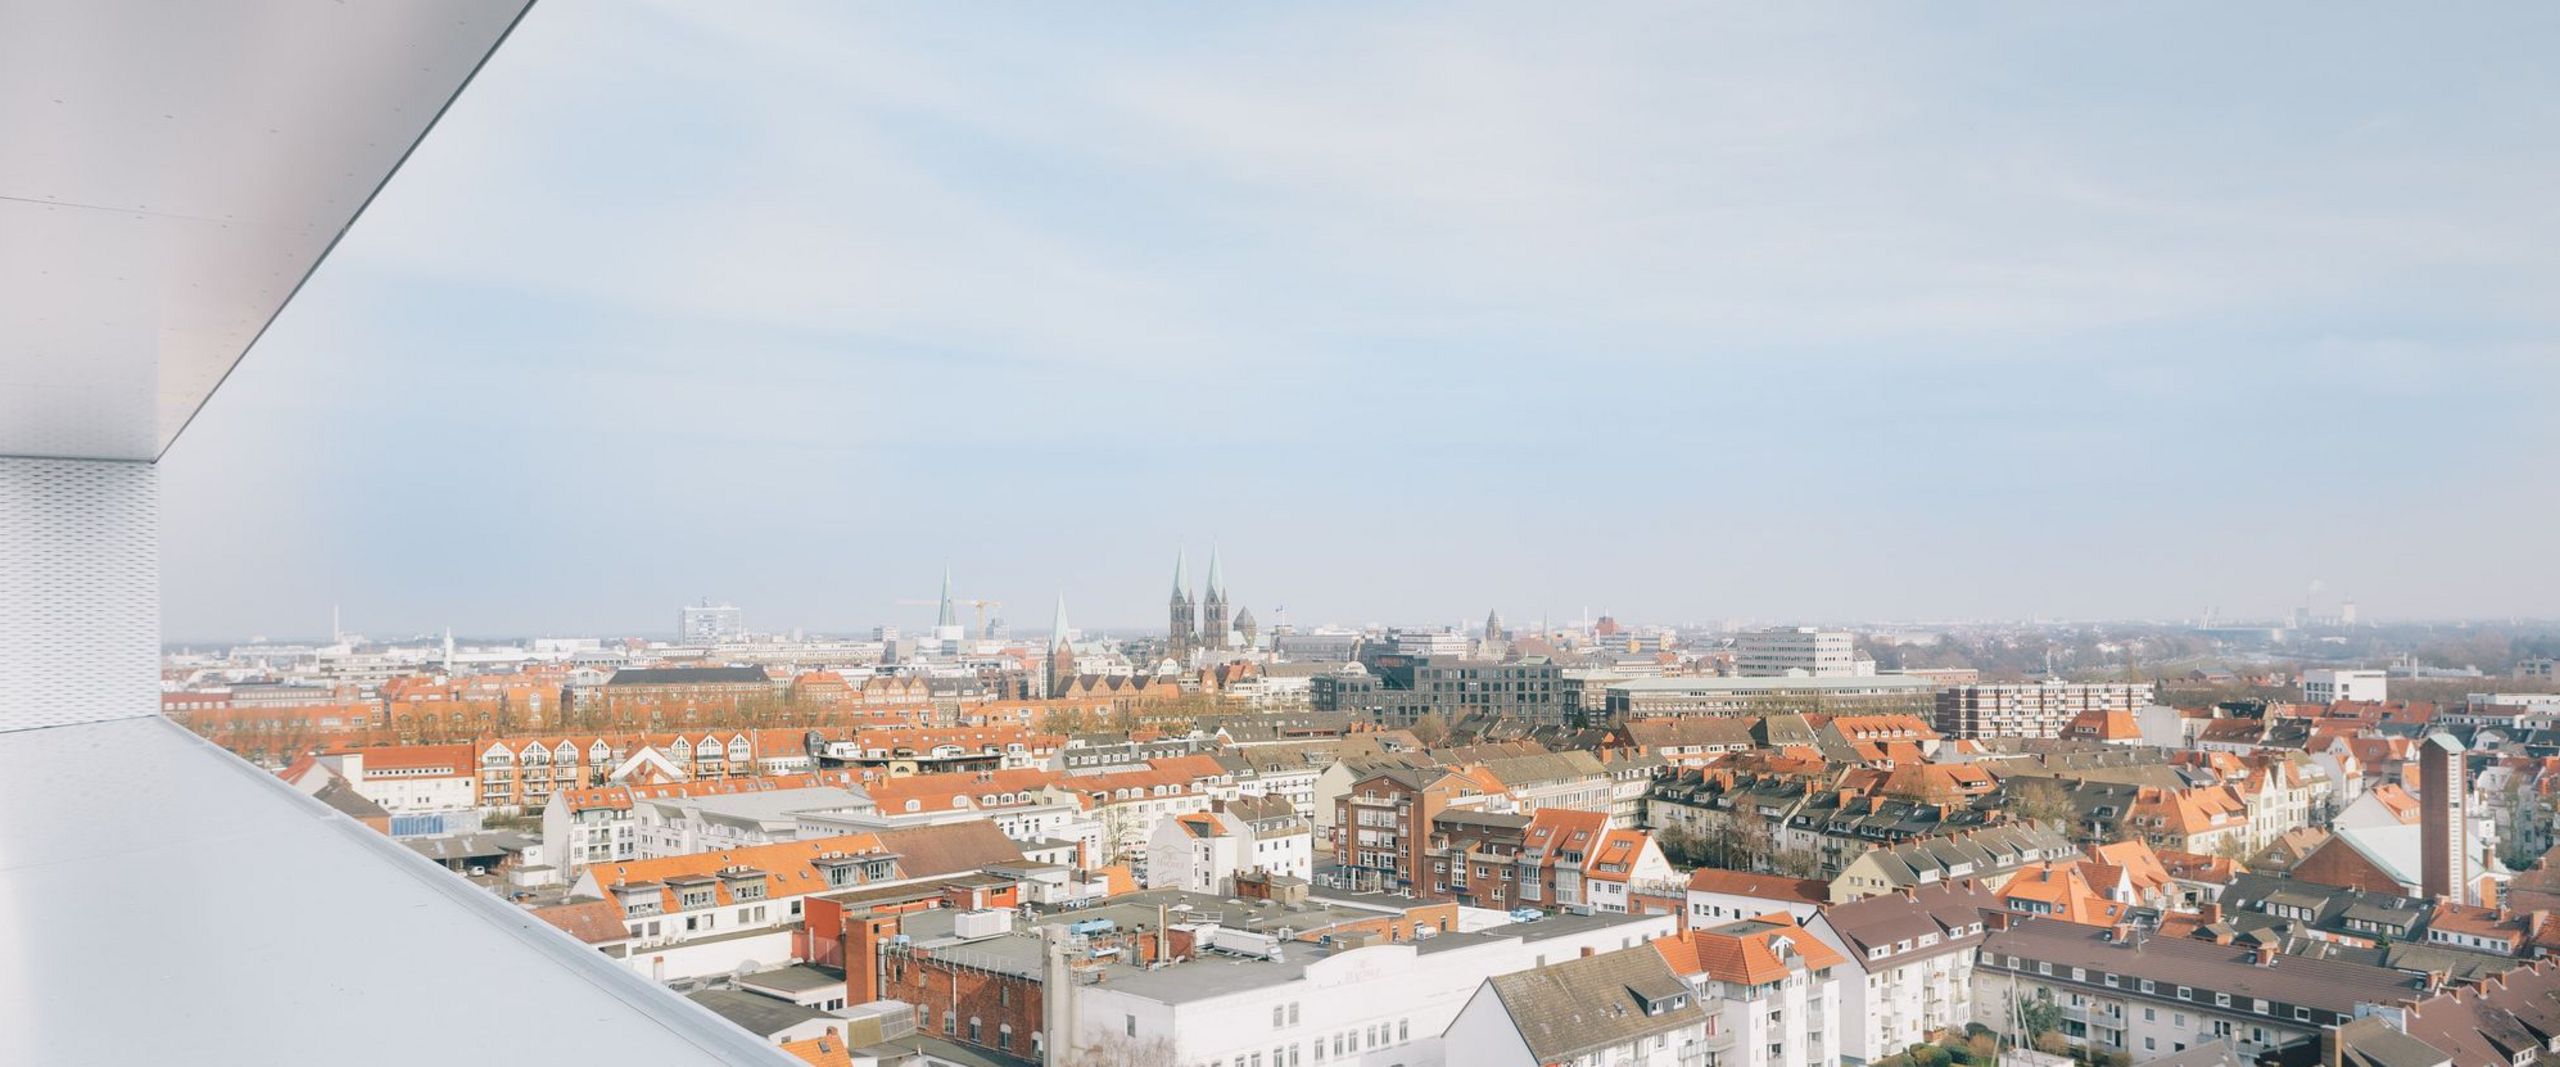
[169,174]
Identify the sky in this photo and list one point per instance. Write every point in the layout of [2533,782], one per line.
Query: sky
[1689,313]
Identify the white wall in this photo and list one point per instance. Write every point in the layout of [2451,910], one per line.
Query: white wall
[1484,1034]
[80,575]
[1706,908]
[667,963]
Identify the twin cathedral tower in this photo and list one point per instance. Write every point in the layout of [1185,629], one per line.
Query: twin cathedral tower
[1204,624]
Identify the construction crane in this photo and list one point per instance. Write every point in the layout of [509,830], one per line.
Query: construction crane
[980,605]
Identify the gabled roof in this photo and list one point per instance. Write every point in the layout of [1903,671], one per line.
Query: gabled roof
[2396,801]
[959,789]
[790,868]
[829,1051]
[1554,829]
[2394,850]
[1888,919]
[1689,731]
[1617,848]
[344,799]
[1579,1006]
[622,796]
[951,848]
[2059,891]
[1759,886]
[1751,952]
[2508,1016]
[596,922]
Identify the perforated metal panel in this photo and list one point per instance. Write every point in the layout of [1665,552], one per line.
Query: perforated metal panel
[79,591]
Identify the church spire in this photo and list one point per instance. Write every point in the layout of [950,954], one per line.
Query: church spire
[1182,631]
[1213,606]
[950,615]
[1060,668]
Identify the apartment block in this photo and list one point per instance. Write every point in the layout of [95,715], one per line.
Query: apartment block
[2031,709]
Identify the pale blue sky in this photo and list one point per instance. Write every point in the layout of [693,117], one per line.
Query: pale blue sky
[1694,313]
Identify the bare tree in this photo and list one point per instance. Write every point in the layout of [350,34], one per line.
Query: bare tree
[2043,800]
[1118,1050]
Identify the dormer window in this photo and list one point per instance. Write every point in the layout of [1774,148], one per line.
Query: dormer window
[638,900]
[745,883]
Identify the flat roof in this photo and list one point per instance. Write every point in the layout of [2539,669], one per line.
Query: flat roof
[797,978]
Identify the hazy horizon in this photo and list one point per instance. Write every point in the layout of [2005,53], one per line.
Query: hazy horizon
[1776,314]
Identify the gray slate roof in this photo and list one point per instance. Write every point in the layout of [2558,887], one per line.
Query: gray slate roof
[1579,1006]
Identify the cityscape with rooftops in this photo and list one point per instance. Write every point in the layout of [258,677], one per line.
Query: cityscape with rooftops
[1698,535]
[1604,842]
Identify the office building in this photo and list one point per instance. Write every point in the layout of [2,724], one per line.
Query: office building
[1797,652]
[1401,690]
[709,624]
[1883,694]
[2325,686]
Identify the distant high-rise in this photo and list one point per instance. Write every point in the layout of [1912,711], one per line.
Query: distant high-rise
[2444,865]
[1183,633]
[709,624]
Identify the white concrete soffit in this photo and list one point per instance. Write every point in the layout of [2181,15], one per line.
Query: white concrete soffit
[169,175]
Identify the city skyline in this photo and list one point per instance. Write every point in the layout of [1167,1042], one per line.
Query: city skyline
[1764,314]
[918,617]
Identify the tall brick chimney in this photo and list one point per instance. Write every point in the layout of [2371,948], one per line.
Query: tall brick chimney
[863,936]
[2444,869]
